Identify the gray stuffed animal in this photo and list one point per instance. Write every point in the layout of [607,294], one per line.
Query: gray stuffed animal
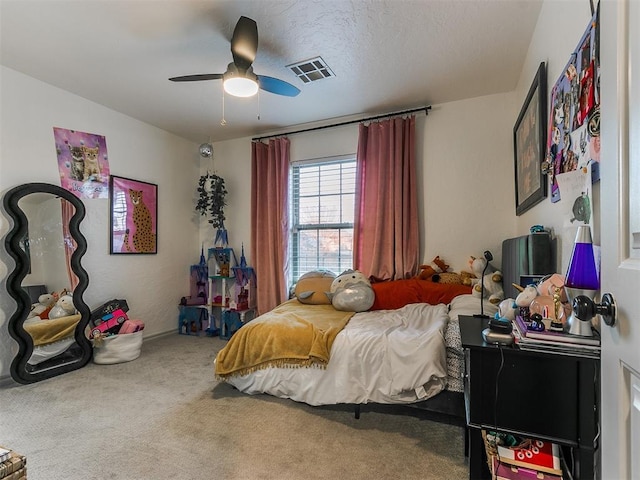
[351,292]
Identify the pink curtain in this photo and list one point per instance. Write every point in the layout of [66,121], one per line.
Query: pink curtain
[270,221]
[69,243]
[385,237]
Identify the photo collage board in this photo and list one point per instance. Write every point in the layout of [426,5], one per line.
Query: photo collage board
[573,139]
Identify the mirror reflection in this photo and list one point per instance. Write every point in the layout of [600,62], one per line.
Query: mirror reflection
[48,281]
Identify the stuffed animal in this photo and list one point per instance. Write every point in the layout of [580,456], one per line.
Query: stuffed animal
[492,288]
[351,292]
[41,309]
[312,287]
[551,299]
[524,299]
[526,296]
[63,307]
[477,267]
[436,266]
[492,281]
[450,278]
[507,309]
[466,278]
[550,284]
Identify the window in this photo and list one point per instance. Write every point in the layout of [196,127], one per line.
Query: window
[322,199]
[119,212]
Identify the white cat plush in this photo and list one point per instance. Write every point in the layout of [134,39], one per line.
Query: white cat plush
[63,307]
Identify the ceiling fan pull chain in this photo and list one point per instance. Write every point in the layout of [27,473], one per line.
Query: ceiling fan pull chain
[223,122]
[258,105]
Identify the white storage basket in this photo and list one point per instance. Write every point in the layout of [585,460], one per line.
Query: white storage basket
[118,348]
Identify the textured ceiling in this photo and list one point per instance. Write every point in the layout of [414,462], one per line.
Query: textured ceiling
[387,55]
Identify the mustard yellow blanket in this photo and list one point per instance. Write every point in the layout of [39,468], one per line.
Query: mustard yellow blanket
[49,331]
[290,335]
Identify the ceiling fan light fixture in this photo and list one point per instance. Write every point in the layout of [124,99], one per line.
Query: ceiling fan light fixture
[239,79]
[240,83]
[240,86]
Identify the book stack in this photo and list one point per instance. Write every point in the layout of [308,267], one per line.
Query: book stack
[555,342]
[13,466]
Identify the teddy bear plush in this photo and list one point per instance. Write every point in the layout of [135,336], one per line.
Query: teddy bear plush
[437,265]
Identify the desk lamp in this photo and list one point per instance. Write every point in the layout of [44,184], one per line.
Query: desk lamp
[487,258]
[581,279]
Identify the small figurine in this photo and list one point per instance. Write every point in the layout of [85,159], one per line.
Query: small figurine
[556,324]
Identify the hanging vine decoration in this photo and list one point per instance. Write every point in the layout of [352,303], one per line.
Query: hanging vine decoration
[212,199]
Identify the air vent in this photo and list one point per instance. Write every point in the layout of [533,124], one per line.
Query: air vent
[311,70]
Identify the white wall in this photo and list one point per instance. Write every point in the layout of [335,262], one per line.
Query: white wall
[465,178]
[560,26]
[152,284]
[469,193]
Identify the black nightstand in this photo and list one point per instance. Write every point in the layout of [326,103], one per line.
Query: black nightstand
[549,396]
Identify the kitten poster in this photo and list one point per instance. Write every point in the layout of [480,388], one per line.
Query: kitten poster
[83,163]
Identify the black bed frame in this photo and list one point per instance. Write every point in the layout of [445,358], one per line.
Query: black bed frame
[446,406]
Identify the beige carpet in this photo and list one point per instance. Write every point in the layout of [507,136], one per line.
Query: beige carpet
[163,416]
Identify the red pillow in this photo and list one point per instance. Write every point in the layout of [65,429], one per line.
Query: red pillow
[398,293]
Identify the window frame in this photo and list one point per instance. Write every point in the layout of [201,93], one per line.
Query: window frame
[294,203]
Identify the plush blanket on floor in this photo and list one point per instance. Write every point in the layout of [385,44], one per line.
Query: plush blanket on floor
[44,332]
[290,335]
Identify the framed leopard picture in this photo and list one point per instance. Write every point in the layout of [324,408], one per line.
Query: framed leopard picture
[133,216]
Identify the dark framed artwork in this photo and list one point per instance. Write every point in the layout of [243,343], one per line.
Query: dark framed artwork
[133,216]
[529,145]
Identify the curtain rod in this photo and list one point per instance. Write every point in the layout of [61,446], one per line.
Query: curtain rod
[377,117]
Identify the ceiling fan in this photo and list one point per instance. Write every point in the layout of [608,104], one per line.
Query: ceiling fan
[239,79]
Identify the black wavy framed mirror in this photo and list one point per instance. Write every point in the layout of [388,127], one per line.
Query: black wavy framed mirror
[48,281]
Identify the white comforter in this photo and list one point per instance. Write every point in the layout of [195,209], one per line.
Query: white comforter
[385,356]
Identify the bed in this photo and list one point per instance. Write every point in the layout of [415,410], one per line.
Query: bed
[408,355]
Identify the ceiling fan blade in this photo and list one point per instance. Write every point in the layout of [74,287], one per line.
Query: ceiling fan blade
[196,78]
[244,43]
[277,86]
